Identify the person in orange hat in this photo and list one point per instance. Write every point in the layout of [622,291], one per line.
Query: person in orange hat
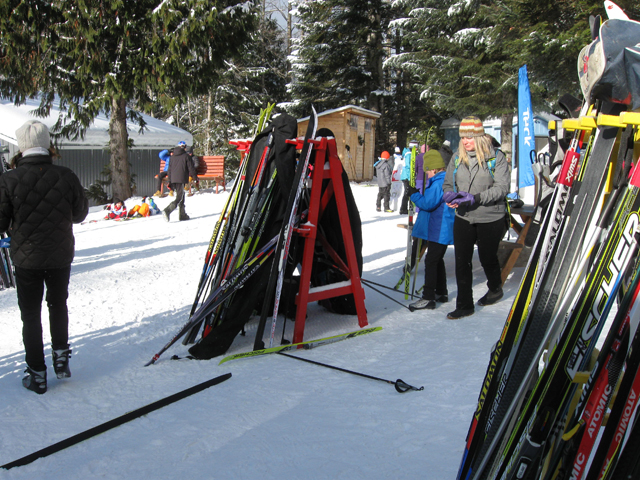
[384,169]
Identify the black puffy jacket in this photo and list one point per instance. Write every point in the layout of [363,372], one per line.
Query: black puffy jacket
[39,203]
[181,167]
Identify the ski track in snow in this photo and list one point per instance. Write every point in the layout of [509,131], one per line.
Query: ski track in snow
[132,286]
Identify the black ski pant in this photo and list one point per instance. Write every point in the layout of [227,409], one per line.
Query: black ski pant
[487,236]
[435,274]
[30,285]
[384,193]
[178,202]
[404,204]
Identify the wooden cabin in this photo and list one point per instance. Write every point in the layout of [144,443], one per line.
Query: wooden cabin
[355,131]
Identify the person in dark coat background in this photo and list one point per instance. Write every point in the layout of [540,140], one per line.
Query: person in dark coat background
[180,169]
[39,203]
[446,152]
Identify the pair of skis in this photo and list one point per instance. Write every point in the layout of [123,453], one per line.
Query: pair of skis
[498,371]
[278,267]
[408,267]
[7,279]
[556,252]
[223,255]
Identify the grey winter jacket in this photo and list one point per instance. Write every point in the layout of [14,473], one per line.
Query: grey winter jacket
[384,169]
[489,191]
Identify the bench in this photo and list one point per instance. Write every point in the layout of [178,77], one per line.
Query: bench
[509,252]
[210,169]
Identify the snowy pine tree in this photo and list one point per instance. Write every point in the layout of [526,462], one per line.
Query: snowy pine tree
[106,56]
[337,58]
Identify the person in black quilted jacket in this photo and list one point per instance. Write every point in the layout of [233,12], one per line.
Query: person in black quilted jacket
[39,203]
[180,169]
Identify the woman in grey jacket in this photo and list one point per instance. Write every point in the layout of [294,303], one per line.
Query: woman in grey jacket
[476,183]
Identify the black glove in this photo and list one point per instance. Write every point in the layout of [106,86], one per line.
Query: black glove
[412,190]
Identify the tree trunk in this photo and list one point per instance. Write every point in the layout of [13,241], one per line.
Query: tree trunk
[118,138]
[507,135]
[209,141]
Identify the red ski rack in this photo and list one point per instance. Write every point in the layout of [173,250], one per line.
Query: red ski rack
[325,153]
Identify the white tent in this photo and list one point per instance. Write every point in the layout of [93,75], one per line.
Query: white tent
[155,133]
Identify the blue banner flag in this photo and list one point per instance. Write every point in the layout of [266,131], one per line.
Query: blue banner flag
[526,135]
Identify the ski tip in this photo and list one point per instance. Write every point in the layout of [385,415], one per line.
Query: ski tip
[614,11]
[152,361]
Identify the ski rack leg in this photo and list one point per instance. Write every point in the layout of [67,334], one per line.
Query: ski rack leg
[327,166]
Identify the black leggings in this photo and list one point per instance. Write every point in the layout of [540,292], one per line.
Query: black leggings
[487,236]
[30,285]
[435,274]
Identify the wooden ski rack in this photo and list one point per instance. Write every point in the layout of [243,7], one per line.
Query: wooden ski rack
[327,166]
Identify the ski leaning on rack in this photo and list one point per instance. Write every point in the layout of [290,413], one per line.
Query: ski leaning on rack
[575,213]
[583,429]
[7,279]
[222,293]
[545,404]
[604,374]
[406,276]
[227,227]
[506,348]
[276,276]
[116,422]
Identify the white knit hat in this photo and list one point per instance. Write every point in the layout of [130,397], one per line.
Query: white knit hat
[33,134]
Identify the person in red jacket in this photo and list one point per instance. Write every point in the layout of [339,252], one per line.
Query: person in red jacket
[116,210]
[39,203]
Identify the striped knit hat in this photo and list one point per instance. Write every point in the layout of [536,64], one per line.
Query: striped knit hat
[471,127]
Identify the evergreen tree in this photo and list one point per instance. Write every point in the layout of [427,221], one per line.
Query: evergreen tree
[104,56]
[244,85]
[337,59]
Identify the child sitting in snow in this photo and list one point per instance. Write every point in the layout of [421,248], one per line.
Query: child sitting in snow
[144,209]
[116,210]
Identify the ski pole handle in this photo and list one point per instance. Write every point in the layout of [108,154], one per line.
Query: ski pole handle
[402,387]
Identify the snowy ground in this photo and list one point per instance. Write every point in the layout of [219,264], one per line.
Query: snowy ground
[132,285]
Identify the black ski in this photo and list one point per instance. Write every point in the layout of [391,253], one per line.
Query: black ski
[284,238]
[116,422]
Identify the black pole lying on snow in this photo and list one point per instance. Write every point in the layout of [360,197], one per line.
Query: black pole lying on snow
[116,422]
[401,387]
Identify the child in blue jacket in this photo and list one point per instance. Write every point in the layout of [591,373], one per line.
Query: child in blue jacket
[434,225]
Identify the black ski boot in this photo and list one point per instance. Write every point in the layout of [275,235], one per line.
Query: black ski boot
[460,313]
[61,363]
[166,213]
[35,381]
[491,297]
[182,214]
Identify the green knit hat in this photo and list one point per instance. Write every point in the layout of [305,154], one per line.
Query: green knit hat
[432,160]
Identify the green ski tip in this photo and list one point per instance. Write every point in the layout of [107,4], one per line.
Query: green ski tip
[306,345]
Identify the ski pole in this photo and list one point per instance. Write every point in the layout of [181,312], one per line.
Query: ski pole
[364,282]
[401,386]
[391,289]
